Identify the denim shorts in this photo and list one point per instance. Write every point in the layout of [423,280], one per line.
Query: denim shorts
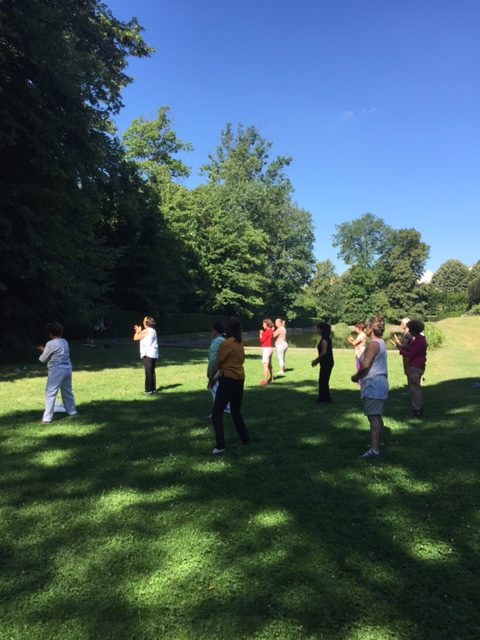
[373,406]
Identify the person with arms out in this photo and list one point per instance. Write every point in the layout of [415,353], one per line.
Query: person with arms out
[373,373]
[147,336]
[56,353]
[281,344]
[231,356]
[416,355]
[359,343]
[218,338]
[325,360]
[266,341]
[405,341]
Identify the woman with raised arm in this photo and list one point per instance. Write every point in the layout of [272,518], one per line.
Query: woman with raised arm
[266,341]
[147,336]
[373,374]
[325,360]
[281,344]
[231,356]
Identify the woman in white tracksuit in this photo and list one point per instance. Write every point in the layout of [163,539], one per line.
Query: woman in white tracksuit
[281,344]
[56,353]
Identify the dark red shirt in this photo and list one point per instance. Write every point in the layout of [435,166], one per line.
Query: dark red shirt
[416,352]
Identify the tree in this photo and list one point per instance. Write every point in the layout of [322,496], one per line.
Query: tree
[361,241]
[451,277]
[153,145]
[322,295]
[474,291]
[400,268]
[62,73]
[386,267]
[231,253]
[252,187]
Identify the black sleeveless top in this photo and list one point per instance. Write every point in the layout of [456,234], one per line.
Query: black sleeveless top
[327,360]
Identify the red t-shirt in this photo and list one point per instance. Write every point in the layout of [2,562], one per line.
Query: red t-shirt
[267,338]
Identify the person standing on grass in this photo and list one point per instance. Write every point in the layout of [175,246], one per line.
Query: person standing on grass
[325,360]
[416,355]
[359,343]
[218,338]
[56,353]
[281,344]
[405,341]
[147,336]
[266,341]
[373,373]
[231,356]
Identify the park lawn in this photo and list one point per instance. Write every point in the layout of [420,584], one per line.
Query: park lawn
[119,524]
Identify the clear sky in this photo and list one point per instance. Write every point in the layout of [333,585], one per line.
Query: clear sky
[378,102]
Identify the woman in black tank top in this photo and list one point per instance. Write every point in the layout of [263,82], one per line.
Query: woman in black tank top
[325,359]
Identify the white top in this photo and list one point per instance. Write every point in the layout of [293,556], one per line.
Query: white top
[282,336]
[360,344]
[56,353]
[375,381]
[149,344]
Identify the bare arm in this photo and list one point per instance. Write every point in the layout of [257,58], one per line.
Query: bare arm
[323,351]
[368,357]
[139,332]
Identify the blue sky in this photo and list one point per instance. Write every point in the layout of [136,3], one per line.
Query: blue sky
[378,102]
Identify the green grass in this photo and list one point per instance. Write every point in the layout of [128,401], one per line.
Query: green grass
[119,524]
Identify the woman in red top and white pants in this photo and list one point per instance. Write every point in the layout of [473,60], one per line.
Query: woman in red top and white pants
[266,340]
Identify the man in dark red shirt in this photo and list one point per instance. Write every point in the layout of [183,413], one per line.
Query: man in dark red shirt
[416,352]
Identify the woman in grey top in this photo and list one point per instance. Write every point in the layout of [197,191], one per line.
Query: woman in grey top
[373,377]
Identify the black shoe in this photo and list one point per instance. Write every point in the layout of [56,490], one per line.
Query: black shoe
[418,413]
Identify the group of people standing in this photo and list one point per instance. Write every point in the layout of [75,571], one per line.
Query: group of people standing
[226,374]
[372,371]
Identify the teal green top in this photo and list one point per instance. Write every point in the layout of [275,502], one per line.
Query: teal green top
[213,354]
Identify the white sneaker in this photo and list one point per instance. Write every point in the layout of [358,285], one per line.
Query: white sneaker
[218,452]
[371,453]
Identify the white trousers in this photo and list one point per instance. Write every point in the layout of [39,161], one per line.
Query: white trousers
[281,353]
[59,378]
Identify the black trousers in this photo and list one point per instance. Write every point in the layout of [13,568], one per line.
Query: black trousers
[150,378]
[229,390]
[323,383]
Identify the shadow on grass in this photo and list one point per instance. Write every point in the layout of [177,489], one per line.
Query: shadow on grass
[118,357]
[120,524]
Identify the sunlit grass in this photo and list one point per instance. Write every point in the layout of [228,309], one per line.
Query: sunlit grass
[119,524]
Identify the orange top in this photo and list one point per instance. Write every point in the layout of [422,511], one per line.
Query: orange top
[231,357]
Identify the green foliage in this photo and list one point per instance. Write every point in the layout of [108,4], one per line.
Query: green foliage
[63,69]
[474,291]
[451,277]
[361,241]
[386,265]
[435,337]
[474,311]
[342,331]
[153,145]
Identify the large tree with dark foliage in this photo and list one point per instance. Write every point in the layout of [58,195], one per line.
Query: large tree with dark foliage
[62,69]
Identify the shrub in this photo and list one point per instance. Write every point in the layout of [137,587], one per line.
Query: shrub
[474,311]
[434,335]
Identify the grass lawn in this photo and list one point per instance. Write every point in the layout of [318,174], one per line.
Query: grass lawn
[119,524]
